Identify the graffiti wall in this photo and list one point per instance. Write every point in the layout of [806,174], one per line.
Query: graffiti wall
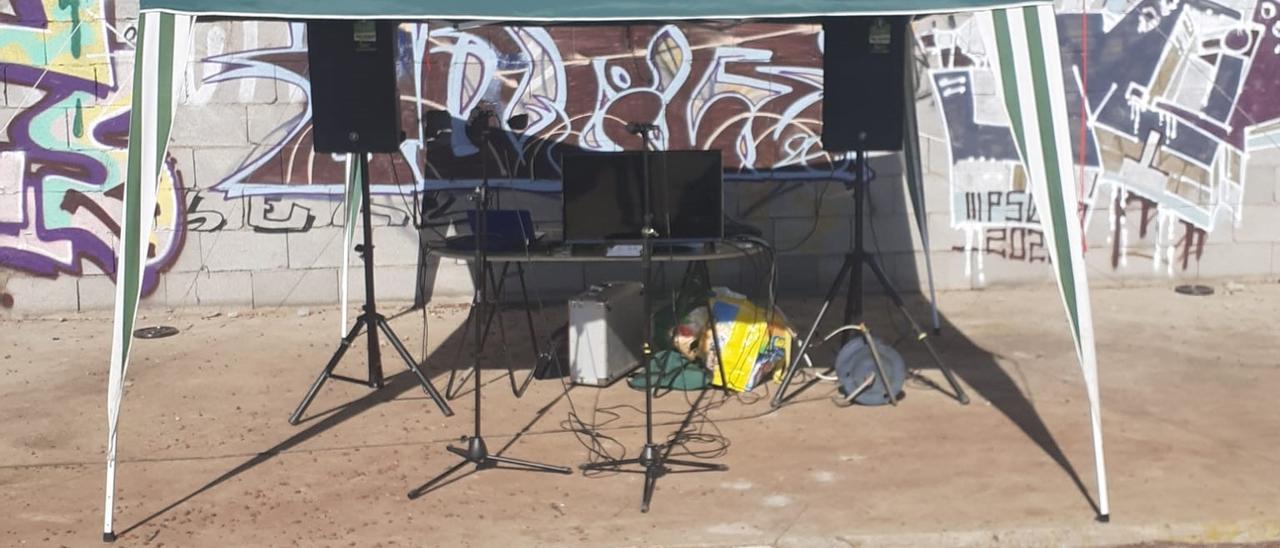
[1170,124]
[1167,106]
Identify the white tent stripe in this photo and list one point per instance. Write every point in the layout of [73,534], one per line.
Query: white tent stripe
[351,204]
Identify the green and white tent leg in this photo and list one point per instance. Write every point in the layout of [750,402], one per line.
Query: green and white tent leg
[351,201]
[915,174]
[159,58]
[1030,72]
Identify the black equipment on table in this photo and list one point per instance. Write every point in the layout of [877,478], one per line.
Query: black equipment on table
[603,195]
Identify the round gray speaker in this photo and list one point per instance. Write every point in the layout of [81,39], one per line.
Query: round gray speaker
[854,365]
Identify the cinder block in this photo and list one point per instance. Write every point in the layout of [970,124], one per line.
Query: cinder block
[1104,272]
[210,126]
[33,296]
[395,246]
[213,164]
[189,259]
[937,157]
[799,275]
[889,232]
[292,85]
[99,293]
[270,123]
[1260,183]
[320,248]
[937,191]
[996,271]
[275,34]
[780,198]
[941,236]
[180,289]
[825,235]
[185,162]
[244,250]
[449,281]
[1261,223]
[1238,260]
[928,118]
[948,271]
[224,288]
[122,71]
[277,288]
[393,284]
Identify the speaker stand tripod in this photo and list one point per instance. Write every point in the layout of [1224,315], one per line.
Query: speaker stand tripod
[653,459]
[476,452]
[369,320]
[852,270]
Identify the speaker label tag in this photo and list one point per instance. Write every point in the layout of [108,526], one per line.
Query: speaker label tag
[879,36]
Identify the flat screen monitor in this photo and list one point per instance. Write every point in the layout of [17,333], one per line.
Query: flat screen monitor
[602,196]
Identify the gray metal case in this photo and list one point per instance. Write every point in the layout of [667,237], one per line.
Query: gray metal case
[606,333]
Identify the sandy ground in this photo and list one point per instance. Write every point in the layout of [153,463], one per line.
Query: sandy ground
[208,458]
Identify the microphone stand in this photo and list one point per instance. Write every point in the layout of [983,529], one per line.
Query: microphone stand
[476,452]
[653,458]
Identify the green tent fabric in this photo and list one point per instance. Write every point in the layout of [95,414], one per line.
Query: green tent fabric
[566,10]
[1029,70]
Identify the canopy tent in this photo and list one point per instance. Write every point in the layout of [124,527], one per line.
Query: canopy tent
[1026,62]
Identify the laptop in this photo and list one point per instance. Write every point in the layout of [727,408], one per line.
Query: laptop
[508,229]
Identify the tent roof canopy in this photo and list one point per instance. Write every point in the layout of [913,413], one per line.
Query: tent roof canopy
[567,10]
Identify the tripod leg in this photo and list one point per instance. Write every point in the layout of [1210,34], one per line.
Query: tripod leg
[607,465]
[533,338]
[695,464]
[884,376]
[961,396]
[650,482]
[923,337]
[813,331]
[408,361]
[427,487]
[328,370]
[529,464]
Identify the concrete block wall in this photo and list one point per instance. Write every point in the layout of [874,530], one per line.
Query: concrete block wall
[250,216]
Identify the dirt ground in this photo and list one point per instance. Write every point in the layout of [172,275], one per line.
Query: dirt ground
[208,458]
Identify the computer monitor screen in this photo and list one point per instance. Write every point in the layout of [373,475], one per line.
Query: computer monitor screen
[602,196]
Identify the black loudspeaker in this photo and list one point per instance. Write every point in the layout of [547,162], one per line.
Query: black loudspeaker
[864,86]
[354,103]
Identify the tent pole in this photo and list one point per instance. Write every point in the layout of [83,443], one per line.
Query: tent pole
[915,175]
[161,40]
[1029,68]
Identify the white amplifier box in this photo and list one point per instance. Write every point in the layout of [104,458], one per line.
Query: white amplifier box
[606,332]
